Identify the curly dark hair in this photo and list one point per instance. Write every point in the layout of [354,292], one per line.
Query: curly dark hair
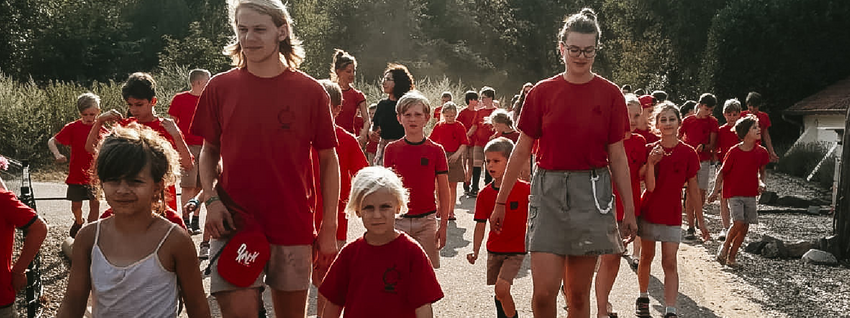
[404,81]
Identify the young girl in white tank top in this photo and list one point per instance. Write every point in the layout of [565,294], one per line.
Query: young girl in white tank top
[134,262]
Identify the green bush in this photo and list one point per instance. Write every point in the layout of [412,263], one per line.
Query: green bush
[801,161]
[30,114]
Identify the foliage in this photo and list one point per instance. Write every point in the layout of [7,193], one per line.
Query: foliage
[802,160]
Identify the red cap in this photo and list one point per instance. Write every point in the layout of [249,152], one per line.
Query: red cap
[244,258]
[646,101]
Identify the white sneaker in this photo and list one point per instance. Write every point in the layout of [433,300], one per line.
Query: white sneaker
[722,235]
[204,250]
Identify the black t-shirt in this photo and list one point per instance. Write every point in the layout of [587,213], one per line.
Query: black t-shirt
[386,119]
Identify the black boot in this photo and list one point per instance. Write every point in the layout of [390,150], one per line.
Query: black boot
[473,188]
[500,313]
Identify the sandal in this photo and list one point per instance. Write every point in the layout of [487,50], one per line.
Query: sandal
[732,264]
[642,307]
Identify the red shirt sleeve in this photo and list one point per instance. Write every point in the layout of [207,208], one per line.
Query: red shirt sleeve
[423,277]
[65,135]
[692,164]
[460,130]
[619,121]
[207,121]
[15,212]
[356,158]
[484,205]
[335,284]
[530,121]
[441,165]
[389,157]
[324,135]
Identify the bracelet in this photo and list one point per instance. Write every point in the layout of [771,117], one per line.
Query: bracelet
[211,200]
[500,203]
[194,201]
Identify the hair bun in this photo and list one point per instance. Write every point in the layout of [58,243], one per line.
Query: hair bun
[588,12]
[339,53]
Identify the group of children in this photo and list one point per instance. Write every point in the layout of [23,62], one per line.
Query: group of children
[406,204]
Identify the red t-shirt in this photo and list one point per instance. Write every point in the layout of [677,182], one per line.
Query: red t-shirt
[450,136]
[484,131]
[696,131]
[390,280]
[512,237]
[764,121]
[265,128]
[741,171]
[513,136]
[726,139]
[156,125]
[182,109]
[351,160]
[170,215]
[466,117]
[351,99]
[418,165]
[437,112]
[647,135]
[358,124]
[574,122]
[372,147]
[15,214]
[637,154]
[664,205]
[74,135]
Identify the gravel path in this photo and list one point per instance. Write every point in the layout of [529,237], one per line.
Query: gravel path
[762,288]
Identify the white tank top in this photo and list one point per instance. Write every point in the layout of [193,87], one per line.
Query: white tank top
[141,289]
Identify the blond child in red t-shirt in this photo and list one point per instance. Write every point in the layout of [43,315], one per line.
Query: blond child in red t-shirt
[451,134]
[384,273]
[506,248]
[420,162]
[671,164]
[503,126]
[726,139]
[74,135]
[700,132]
[444,98]
[744,169]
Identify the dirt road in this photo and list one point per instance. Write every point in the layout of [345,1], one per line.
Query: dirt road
[706,290]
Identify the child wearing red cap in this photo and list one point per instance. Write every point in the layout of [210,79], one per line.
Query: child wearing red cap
[647,104]
[384,273]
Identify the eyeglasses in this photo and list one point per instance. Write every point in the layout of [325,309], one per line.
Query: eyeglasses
[574,51]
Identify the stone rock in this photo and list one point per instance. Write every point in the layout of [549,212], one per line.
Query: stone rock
[794,202]
[819,257]
[774,249]
[768,197]
[755,247]
[797,249]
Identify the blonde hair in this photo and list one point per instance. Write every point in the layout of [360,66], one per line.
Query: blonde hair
[87,100]
[632,100]
[333,90]
[291,51]
[732,105]
[373,179]
[500,116]
[449,106]
[411,99]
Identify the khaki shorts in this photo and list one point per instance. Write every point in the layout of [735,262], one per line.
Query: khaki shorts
[744,209]
[424,231]
[704,174]
[659,232]
[477,156]
[8,312]
[79,192]
[563,217]
[288,269]
[191,178]
[503,266]
[456,170]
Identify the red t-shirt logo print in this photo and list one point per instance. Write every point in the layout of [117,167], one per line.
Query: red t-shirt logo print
[286,118]
[391,277]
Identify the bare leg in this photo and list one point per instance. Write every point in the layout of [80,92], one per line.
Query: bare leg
[289,304]
[453,199]
[739,239]
[579,278]
[94,210]
[77,210]
[671,272]
[605,277]
[546,272]
[724,213]
[240,303]
[647,253]
[503,294]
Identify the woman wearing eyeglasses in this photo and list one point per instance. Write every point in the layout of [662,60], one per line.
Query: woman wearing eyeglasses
[397,80]
[580,120]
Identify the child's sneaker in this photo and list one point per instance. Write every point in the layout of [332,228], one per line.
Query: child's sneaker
[204,250]
[642,307]
[690,234]
[195,229]
[722,235]
[671,315]
[721,255]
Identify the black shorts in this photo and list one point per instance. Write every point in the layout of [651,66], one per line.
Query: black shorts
[79,192]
